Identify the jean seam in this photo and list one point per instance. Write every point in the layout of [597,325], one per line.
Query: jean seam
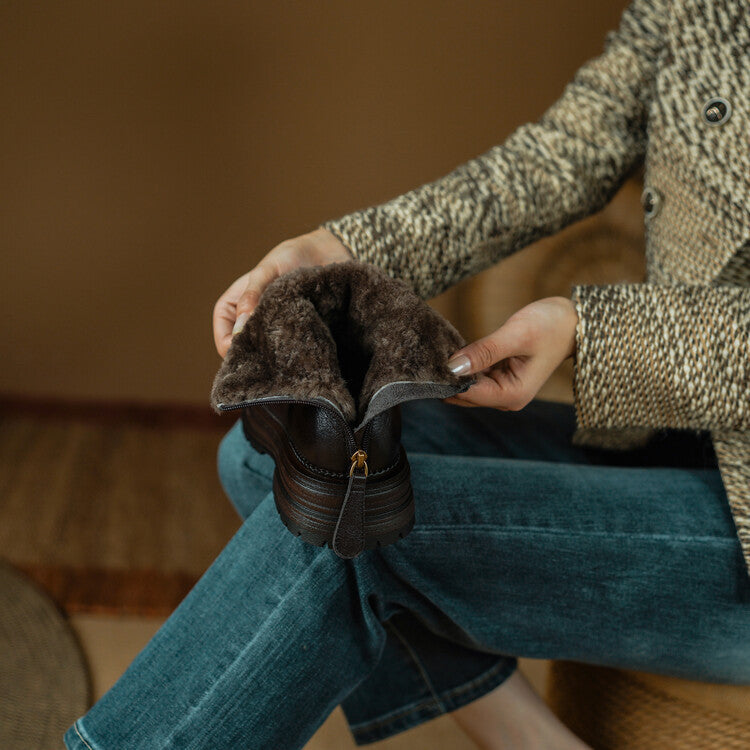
[479,680]
[420,667]
[80,736]
[388,718]
[501,528]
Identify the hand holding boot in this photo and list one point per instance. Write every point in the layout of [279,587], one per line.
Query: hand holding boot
[513,362]
[232,309]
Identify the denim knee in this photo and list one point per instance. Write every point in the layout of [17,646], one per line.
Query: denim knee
[245,475]
[229,460]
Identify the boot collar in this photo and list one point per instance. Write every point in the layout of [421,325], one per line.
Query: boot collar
[347,334]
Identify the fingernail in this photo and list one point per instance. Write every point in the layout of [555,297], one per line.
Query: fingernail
[239,324]
[459,365]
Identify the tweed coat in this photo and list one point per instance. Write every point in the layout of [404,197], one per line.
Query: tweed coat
[671,90]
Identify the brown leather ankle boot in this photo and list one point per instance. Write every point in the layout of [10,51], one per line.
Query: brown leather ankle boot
[319,371]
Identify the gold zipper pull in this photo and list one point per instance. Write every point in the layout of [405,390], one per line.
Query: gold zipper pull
[359,460]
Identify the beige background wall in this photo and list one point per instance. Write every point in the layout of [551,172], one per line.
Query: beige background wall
[150,153]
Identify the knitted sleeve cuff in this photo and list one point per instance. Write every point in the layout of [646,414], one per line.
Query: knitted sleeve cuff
[650,355]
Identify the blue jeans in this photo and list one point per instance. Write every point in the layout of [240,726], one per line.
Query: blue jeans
[524,545]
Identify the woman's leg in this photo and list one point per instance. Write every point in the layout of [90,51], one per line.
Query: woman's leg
[417,665]
[514,717]
[543,431]
[631,567]
[414,662]
[272,621]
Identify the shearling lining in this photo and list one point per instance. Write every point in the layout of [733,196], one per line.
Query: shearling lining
[339,332]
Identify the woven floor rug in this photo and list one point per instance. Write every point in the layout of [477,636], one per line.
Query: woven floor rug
[44,684]
[115,513]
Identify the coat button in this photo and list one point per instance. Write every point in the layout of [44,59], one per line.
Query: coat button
[651,202]
[716,110]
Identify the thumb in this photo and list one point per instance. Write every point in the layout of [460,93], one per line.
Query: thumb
[257,280]
[485,352]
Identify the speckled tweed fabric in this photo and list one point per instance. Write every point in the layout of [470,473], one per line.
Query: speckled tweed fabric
[675,350]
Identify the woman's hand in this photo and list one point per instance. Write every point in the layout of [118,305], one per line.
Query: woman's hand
[514,362]
[234,307]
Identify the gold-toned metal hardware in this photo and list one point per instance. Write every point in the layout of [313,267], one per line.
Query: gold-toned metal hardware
[359,461]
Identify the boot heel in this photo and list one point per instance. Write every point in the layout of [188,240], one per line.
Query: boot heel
[311,530]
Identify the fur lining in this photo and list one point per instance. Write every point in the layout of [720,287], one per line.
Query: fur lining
[339,332]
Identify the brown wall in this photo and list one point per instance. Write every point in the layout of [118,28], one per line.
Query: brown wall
[150,153]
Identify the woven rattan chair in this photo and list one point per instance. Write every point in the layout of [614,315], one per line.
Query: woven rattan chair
[614,709]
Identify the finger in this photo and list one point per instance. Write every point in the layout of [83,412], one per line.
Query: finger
[507,341]
[485,392]
[257,280]
[496,392]
[456,401]
[223,320]
[224,314]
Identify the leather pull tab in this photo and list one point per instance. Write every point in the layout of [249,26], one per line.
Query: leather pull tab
[349,534]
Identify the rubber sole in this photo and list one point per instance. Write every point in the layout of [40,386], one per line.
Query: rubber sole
[324,540]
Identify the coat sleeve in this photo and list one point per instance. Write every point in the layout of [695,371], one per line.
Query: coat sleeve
[544,176]
[663,356]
